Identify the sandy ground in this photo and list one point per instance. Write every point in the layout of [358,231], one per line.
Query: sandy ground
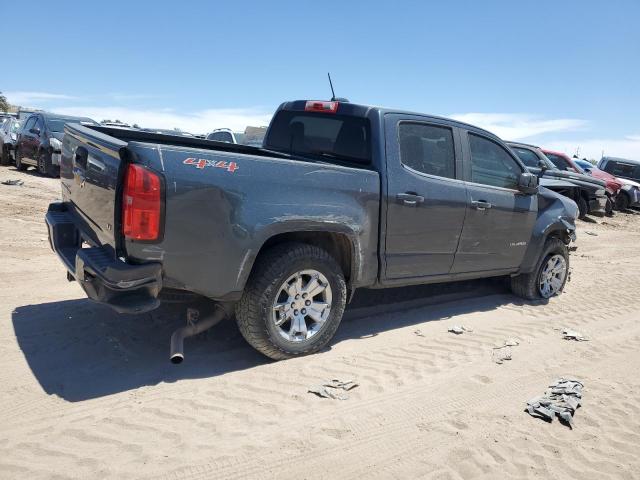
[86,393]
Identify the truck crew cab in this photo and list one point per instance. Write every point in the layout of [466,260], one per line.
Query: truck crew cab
[341,196]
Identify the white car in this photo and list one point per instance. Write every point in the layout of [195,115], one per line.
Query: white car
[8,135]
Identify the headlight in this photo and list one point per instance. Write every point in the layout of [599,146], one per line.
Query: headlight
[55,143]
[14,137]
[600,192]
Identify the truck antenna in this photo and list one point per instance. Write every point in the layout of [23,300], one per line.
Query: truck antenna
[333,94]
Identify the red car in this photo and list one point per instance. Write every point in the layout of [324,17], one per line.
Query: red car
[565,162]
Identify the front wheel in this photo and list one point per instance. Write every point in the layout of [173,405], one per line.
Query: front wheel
[550,275]
[608,209]
[293,302]
[622,202]
[583,207]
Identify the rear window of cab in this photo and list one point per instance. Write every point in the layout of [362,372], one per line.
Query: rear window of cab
[325,135]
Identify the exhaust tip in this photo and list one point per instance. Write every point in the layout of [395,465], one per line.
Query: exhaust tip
[177,358]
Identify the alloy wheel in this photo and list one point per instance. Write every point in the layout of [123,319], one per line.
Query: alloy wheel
[302,305]
[552,276]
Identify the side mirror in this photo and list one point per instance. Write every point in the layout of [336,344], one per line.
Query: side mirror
[528,183]
[35,131]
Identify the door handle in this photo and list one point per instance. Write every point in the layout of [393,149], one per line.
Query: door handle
[411,199]
[480,204]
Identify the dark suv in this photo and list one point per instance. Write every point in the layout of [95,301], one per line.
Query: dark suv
[39,142]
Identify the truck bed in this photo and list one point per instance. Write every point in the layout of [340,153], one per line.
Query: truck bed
[221,203]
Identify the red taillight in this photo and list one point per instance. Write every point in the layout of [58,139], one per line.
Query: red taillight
[320,106]
[141,204]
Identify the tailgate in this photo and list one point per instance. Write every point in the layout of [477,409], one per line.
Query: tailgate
[89,172]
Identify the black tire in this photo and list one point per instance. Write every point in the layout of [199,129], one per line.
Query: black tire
[45,166]
[527,285]
[583,207]
[5,159]
[608,208]
[272,269]
[622,202]
[19,165]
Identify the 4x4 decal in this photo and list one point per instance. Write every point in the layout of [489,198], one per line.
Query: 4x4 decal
[200,163]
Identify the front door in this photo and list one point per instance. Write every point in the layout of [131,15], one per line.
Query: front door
[500,219]
[426,201]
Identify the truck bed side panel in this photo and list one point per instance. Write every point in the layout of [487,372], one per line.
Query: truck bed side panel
[217,217]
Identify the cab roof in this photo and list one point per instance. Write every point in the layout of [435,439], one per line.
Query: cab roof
[362,110]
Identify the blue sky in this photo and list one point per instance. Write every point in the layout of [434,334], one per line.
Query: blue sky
[563,74]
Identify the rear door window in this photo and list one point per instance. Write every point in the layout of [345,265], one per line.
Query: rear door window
[340,137]
[491,164]
[427,149]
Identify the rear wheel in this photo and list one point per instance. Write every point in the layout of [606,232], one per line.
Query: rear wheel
[293,302]
[550,275]
[45,166]
[19,165]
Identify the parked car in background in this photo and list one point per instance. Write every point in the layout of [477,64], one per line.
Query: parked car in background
[566,163]
[39,141]
[226,135]
[6,115]
[168,131]
[573,164]
[628,171]
[342,196]
[8,136]
[252,136]
[590,196]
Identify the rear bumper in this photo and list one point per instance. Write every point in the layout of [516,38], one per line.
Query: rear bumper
[597,206]
[104,278]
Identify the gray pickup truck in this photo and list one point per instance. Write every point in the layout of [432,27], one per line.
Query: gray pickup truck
[339,197]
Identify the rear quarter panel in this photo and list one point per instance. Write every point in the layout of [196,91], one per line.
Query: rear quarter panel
[216,219]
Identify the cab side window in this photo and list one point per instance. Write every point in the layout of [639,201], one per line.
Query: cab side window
[427,149]
[491,164]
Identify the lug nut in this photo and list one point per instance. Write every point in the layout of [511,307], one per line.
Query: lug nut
[295,312]
[304,311]
[307,303]
[297,297]
[304,295]
[293,305]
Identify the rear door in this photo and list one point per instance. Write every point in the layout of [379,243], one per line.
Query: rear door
[426,197]
[500,219]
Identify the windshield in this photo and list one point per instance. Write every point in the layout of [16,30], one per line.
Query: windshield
[584,164]
[527,157]
[334,136]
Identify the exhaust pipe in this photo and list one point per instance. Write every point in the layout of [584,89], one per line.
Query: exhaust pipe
[194,327]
